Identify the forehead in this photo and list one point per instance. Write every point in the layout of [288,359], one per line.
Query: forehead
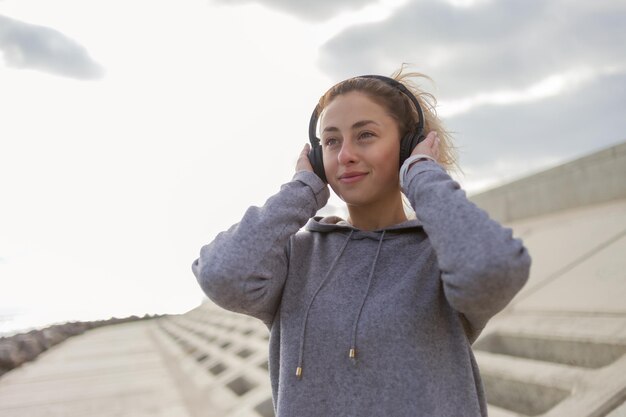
[346,109]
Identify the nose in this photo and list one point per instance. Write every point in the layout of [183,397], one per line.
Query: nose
[347,154]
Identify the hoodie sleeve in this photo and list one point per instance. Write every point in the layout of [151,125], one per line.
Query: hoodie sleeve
[244,268]
[482,265]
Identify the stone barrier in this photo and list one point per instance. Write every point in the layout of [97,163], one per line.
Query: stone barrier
[592,179]
[20,348]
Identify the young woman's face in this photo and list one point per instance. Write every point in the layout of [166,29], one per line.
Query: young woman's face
[361,147]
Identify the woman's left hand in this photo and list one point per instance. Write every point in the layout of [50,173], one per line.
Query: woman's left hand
[429,146]
[303,163]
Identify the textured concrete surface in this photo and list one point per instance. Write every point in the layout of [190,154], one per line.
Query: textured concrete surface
[110,371]
[618,412]
[220,361]
[579,262]
[593,179]
[554,365]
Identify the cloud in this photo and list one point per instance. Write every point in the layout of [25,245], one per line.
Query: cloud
[488,46]
[523,83]
[310,10]
[548,87]
[28,46]
[499,143]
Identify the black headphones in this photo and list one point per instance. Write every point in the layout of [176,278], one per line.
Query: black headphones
[407,144]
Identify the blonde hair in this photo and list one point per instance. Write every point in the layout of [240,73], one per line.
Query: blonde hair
[400,107]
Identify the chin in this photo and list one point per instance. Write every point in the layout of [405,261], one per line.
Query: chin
[355,201]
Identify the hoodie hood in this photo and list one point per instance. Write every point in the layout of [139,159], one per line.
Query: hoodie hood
[334,223]
[337,224]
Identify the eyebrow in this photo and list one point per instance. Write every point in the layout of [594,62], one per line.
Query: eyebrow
[357,125]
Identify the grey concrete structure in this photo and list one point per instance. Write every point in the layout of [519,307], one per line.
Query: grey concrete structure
[116,370]
[559,349]
[593,179]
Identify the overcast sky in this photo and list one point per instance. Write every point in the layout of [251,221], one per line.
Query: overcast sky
[132,132]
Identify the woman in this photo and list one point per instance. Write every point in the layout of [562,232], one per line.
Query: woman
[373,315]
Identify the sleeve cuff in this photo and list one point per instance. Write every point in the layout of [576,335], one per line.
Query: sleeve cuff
[319,187]
[418,168]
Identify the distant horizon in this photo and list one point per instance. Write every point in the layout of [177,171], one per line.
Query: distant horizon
[23,323]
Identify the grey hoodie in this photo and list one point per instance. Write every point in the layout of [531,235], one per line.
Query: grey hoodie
[369,323]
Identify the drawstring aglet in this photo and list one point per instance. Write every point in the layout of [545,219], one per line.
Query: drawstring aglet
[299,372]
[352,353]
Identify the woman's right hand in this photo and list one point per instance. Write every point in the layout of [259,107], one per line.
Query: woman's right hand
[429,146]
[303,163]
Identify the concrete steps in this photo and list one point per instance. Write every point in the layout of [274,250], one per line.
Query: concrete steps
[554,365]
[211,362]
[221,361]
[531,364]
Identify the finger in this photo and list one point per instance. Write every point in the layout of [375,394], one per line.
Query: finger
[436,147]
[428,145]
[303,163]
[430,138]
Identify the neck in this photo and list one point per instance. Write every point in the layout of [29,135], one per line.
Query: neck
[378,215]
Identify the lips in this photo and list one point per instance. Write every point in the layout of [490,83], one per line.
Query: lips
[350,177]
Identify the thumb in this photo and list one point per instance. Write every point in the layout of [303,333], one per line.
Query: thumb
[303,163]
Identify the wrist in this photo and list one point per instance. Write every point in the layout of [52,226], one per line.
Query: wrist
[410,161]
[419,160]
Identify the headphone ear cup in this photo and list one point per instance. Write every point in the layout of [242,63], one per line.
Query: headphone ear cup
[408,143]
[406,147]
[317,161]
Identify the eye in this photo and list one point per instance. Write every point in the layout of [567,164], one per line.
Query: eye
[365,135]
[329,142]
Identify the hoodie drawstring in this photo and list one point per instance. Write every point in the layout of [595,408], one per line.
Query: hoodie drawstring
[306,314]
[352,351]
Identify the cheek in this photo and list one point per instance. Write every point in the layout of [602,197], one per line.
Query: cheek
[330,168]
[389,161]
[330,164]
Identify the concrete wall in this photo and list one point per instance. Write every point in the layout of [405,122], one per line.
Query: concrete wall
[595,178]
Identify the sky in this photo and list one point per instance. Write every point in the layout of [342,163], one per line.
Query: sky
[131,133]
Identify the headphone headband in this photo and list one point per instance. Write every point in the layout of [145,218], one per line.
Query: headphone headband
[407,92]
[408,143]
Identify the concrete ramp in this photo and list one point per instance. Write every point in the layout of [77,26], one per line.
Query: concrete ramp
[117,370]
[579,260]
